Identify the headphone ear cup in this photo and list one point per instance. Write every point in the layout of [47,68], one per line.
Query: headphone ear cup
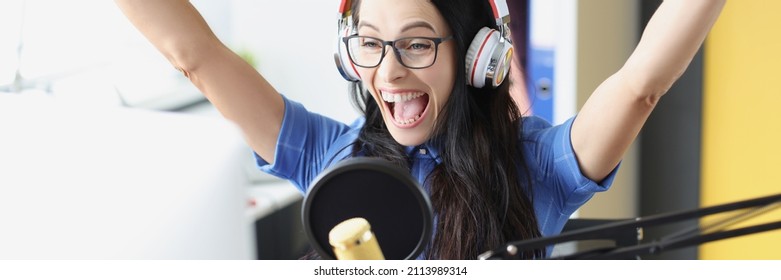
[503,62]
[478,56]
[487,59]
[343,63]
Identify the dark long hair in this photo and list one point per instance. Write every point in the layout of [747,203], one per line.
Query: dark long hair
[481,192]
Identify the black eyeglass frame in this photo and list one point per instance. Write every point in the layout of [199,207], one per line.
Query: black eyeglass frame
[436,40]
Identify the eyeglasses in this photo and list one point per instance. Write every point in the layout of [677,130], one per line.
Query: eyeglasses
[412,52]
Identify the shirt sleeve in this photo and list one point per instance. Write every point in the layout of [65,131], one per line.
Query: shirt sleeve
[559,186]
[304,139]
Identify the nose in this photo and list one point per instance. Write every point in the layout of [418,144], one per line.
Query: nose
[390,69]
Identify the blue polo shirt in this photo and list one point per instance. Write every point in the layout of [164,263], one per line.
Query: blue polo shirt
[309,143]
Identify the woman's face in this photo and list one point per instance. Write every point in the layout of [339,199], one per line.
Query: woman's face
[410,99]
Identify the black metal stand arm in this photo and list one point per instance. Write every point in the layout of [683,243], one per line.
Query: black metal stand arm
[704,233]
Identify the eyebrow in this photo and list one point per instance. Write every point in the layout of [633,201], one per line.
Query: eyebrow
[406,27]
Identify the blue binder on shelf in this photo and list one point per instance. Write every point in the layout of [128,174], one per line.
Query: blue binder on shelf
[533,25]
[540,85]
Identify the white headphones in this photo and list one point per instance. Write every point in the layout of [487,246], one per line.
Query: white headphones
[343,62]
[487,59]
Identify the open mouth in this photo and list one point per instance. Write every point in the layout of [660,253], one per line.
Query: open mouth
[406,109]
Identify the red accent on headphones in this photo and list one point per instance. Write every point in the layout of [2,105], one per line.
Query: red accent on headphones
[479,55]
[344,7]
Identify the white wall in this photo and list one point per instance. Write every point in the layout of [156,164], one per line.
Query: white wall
[68,45]
[293,41]
[86,50]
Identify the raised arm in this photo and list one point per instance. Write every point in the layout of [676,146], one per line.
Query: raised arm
[242,95]
[614,114]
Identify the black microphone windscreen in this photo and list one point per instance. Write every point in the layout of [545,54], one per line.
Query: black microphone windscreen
[386,195]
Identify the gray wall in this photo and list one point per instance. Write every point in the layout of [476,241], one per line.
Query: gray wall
[670,149]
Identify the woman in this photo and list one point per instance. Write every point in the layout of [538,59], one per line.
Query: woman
[492,175]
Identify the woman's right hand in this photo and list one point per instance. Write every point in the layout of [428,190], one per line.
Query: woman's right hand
[238,91]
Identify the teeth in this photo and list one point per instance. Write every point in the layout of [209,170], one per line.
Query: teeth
[409,121]
[391,98]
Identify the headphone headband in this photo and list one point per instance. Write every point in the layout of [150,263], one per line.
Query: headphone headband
[498,7]
[501,11]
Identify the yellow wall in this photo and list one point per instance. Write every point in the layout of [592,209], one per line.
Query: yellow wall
[742,120]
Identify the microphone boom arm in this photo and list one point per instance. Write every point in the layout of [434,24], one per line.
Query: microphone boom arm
[677,240]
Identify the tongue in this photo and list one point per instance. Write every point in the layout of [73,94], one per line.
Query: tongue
[405,110]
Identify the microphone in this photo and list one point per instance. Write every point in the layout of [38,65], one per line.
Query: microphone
[397,212]
[354,240]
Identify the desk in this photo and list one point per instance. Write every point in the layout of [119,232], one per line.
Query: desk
[268,197]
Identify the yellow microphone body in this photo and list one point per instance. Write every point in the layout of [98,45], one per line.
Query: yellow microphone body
[353,239]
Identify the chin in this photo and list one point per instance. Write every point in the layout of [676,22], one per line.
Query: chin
[409,137]
[409,141]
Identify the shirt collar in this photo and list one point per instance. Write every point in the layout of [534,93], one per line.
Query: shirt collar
[427,150]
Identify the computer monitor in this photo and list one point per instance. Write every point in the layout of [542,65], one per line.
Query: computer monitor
[79,182]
